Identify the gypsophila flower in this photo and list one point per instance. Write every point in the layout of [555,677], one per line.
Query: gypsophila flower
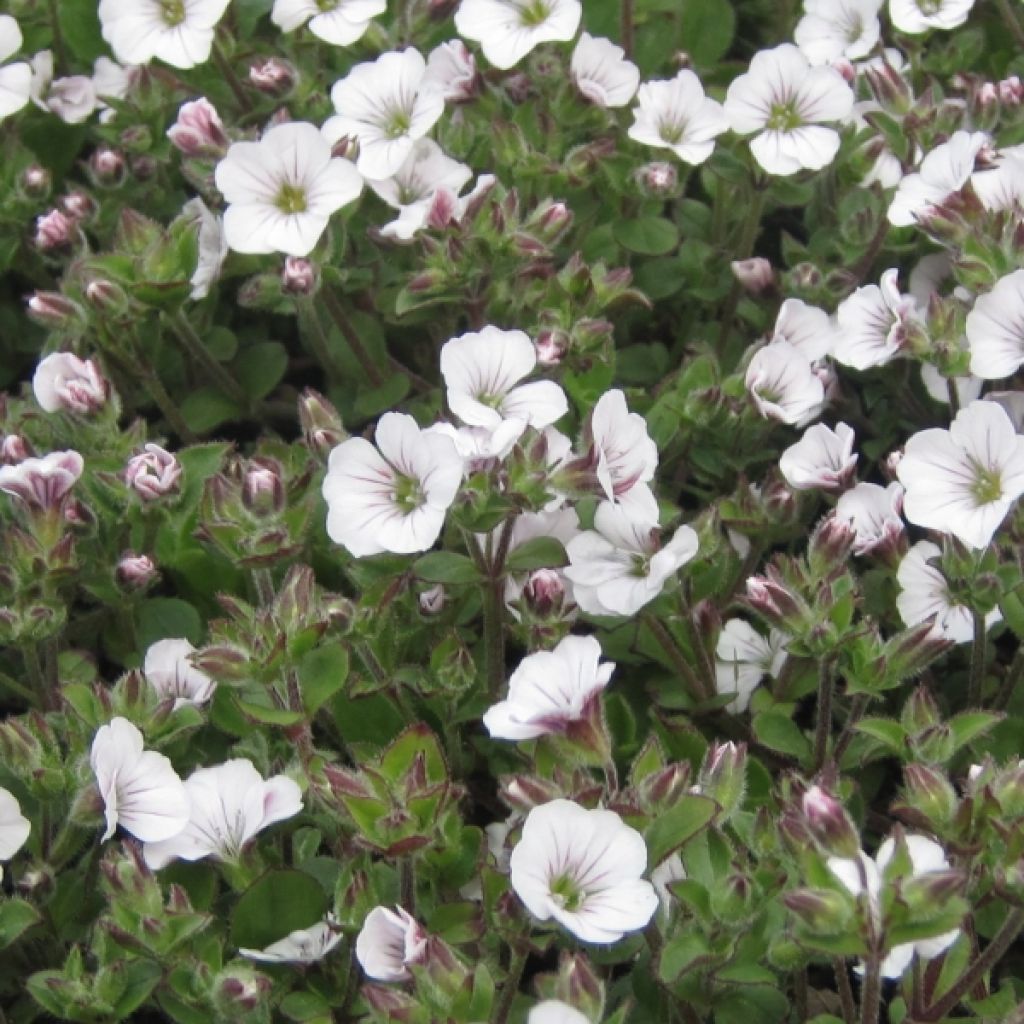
[551,1011]
[963,481]
[508,30]
[392,497]
[388,942]
[995,329]
[384,105]
[834,29]
[602,73]
[621,452]
[1000,184]
[784,100]
[42,483]
[15,79]
[676,115]
[72,99]
[338,22]
[168,670]
[743,658]
[198,129]
[302,946]
[874,514]
[451,71]
[153,474]
[807,328]
[875,324]
[213,247]
[967,388]
[63,382]
[783,384]
[282,190]
[823,458]
[583,868]
[917,16]
[178,32]
[14,827]
[228,805]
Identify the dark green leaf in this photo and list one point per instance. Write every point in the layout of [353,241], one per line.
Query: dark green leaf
[447,567]
[649,236]
[261,367]
[777,732]
[16,917]
[682,821]
[322,673]
[161,617]
[538,553]
[275,905]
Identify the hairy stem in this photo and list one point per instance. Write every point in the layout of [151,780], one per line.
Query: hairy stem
[871,991]
[823,726]
[977,661]
[193,347]
[668,644]
[234,83]
[351,335]
[626,11]
[503,1006]
[845,991]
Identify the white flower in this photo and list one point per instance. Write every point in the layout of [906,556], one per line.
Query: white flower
[168,670]
[393,499]
[1012,403]
[583,868]
[228,804]
[282,190]
[676,115]
[874,514]
[388,942]
[743,658]
[72,99]
[178,32]
[481,371]
[153,474]
[302,946]
[917,16]
[821,458]
[141,791]
[925,594]
[15,79]
[807,328]
[784,99]
[384,105]
[875,324]
[602,72]
[943,172]
[552,1011]
[413,188]
[112,81]
[507,30]
[995,329]
[339,22]
[62,381]
[479,446]
[834,29]
[42,483]
[783,384]
[926,856]
[967,388]
[621,451]
[1001,185]
[619,566]
[14,826]
[963,480]
[451,71]
[213,247]
[550,690]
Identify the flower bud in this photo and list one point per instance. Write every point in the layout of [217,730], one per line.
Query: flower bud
[299,276]
[830,545]
[889,87]
[63,382]
[14,449]
[920,712]
[135,572]
[198,131]
[35,181]
[821,911]
[929,793]
[107,167]
[144,167]
[153,474]
[775,601]
[723,775]
[1011,91]
[755,275]
[552,344]
[549,220]
[579,985]
[658,179]
[51,309]
[262,487]
[55,230]
[321,425]
[1008,790]
[78,205]
[545,591]
[432,601]
[346,148]
[805,276]
[238,991]
[105,296]
[273,76]
[524,792]
[829,823]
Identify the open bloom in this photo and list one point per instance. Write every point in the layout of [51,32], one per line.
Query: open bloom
[339,22]
[178,32]
[621,452]
[168,670]
[213,247]
[823,458]
[42,483]
[141,790]
[552,1011]
[874,514]
[807,328]
[388,942]
[743,658]
[676,115]
[995,329]
[583,868]
[835,29]
[15,79]
[926,857]
[72,98]
[917,16]
[783,385]
[602,73]
[283,189]
[962,481]
[875,324]
[228,804]
[451,71]
[392,497]
[550,689]
[784,100]
[14,826]
[384,105]
[62,381]
[507,30]
[302,946]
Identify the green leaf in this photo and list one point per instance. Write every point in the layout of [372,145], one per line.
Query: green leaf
[1012,607]
[538,553]
[260,368]
[16,917]
[649,236]
[370,403]
[412,743]
[706,29]
[248,12]
[447,567]
[305,1006]
[206,409]
[681,822]
[161,617]
[371,719]
[681,954]
[80,27]
[322,673]
[777,732]
[267,715]
[139,978]
[969,725]
[889,733]
[275,905]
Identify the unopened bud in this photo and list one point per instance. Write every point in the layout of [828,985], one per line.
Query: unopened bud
[821,911]
[723,775]
[774,600]
[135,572]
[14,449]
[805,276]
[552,344]
[830,545]
[240,989]
[198,131]
[153,474]
[321,425]
[107,166]
[1011,91]
[579,985]
[299,276]
[144,167]
[524,792]
[35,181]
[929,793]
[273,76]
[55,230]
[51,309]
[105,296]
[263,487]
[545,591]
[78,205]
[346,148]
[755,275]
[829,823]
[1008,790]
[889,87]
[432,601]
[657,178]
[550,220]
[920,711]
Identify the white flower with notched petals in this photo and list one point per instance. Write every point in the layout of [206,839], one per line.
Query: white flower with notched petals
[141,790]
[676,115]
[783,384]
[213,247]
[302,946]
[943,172]
[14,826]
[743,658]
[389,942]
[875,324]
[784,100]
[621,451]
[1012,403]
[823,458]
[62,381]
[338,22]
[384,105]
[917,16]
[807,328]
[583,868]
[963,481]
[392,497]
[925,594]
[620,565]
[72,99]
[926,857]
[550,690]
[168,670]
[602,72]
[479,446]
[42,483]
[1000,186]
[874,514]
[451,71]
[995,329]
[282,190]
[228,804]
[831,30]
[507,30]
[552,1011]
[178,32]
[482,370]
[15,79]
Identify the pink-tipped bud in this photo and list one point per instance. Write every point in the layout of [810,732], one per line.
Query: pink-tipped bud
[14,449]
[930,794]
[63,382]
[829,823]
[299,276]
[55,230]
[432,601]
[51,309]
[552,344]
[658,178]
[773,600]
[549,220]
[35,181]
[263,487]
[756,275]
[153,474]
[545,591]
[107,166]
[846,68]
[346,148]
[104,295]
[78,205]
[321,425]
[273,76]
[1011,91]
[821,910]
[198,131]
[134,572]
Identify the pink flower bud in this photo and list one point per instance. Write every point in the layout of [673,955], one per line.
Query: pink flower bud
[198,130]
[545,591]
[143,167]
[658,178]
[299,276]
[35,181]
[930,794]
[321,425]
[262,487]
[63,382]
[846,68]
[107,166]
[756,275]
[273,76]
[79,205]
[549,220]
[346,148]
[552,344]
[55,230]
[14,449]
[105,295]
[1011,91]
[51,309]
[135,571]
[432,600]
[153,474]
[829,823]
